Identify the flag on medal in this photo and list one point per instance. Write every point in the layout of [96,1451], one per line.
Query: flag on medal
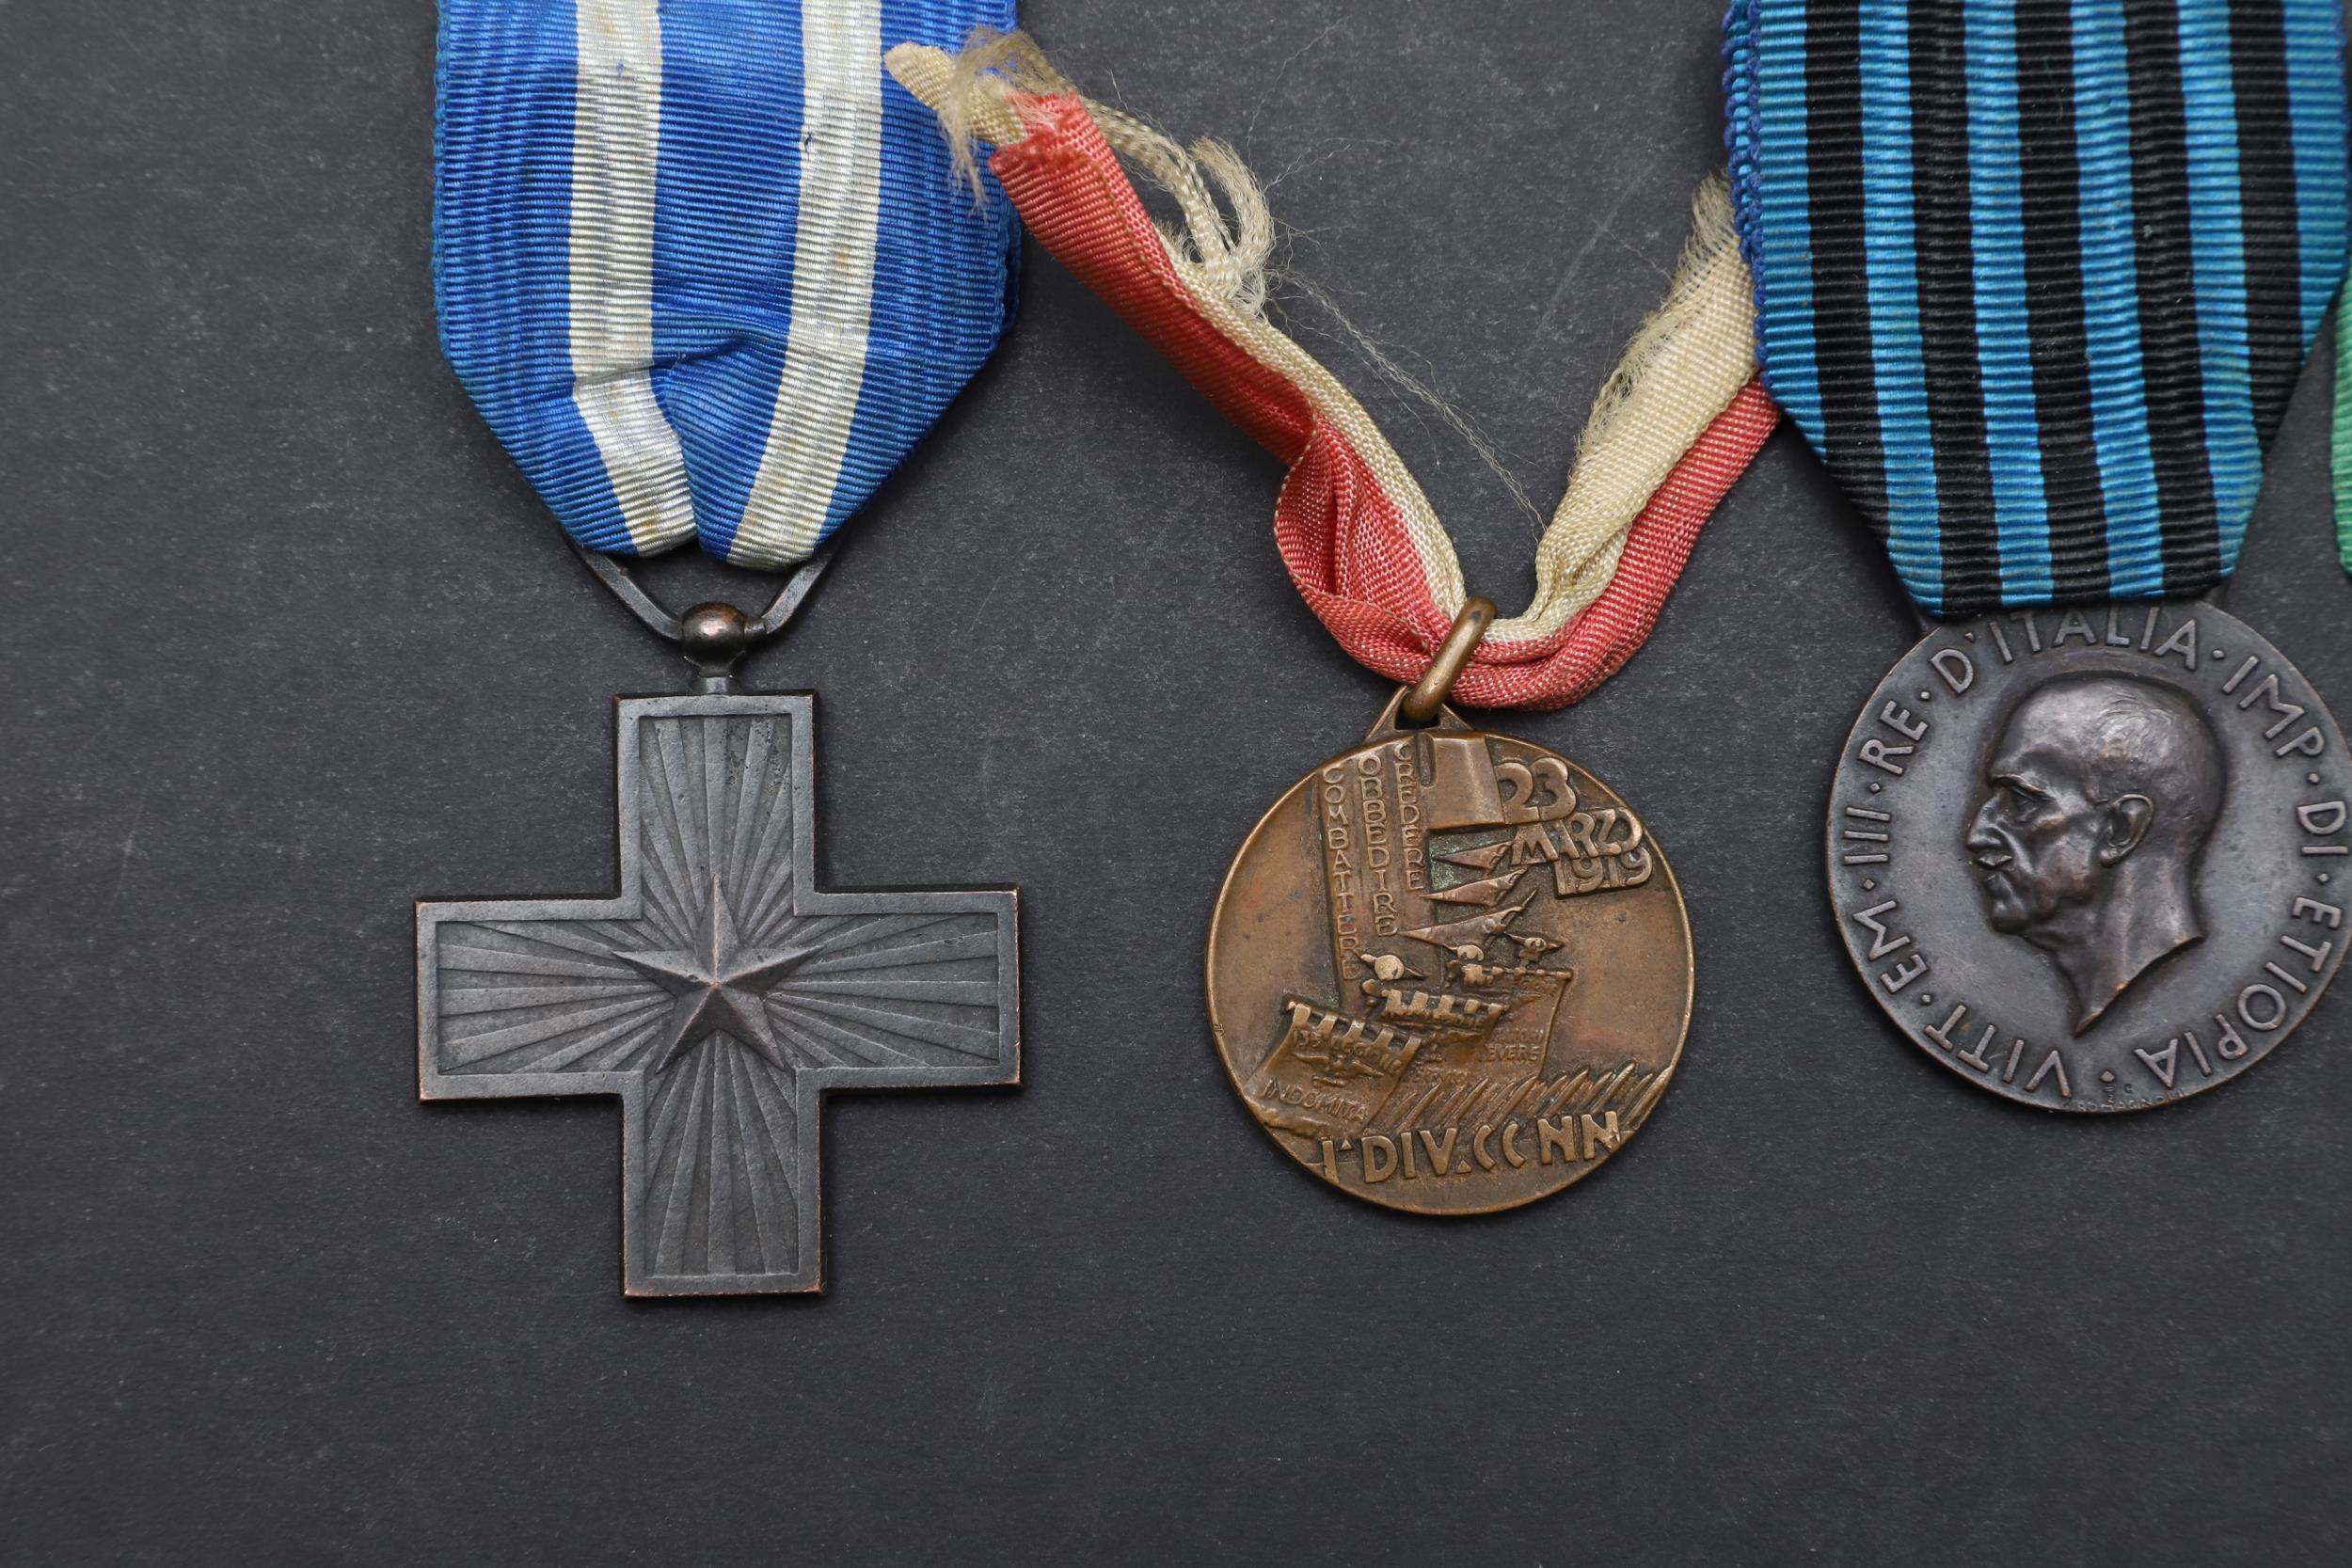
[705,268]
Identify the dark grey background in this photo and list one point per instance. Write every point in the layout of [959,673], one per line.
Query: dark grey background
[288,644]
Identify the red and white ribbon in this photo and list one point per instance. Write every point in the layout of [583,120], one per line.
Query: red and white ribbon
[1676,425]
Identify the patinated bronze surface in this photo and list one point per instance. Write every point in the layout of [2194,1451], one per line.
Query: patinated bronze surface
[2093,860]
[1450,972]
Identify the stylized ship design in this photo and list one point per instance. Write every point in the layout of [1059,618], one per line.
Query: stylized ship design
[1487,1027]
[1455,1016]
[1329,1070]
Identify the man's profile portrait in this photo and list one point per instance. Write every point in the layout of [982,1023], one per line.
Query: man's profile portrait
[2101,791]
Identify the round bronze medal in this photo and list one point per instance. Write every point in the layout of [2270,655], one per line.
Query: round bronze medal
[1449,971]
[2095,859]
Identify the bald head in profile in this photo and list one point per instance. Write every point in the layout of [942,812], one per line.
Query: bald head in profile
[2101,791]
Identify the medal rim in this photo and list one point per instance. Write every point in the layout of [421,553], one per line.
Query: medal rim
[1383,731]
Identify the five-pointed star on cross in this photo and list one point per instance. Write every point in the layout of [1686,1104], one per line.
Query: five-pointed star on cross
[718,986]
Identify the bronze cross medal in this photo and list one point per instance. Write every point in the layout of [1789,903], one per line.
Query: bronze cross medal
[720,993]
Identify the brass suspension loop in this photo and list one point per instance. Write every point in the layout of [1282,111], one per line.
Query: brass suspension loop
[1453,656]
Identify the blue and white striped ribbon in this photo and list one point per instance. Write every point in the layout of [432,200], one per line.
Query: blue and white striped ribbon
[705,269]
[2036,277]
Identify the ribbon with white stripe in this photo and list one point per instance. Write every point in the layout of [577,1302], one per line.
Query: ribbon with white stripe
[705,268]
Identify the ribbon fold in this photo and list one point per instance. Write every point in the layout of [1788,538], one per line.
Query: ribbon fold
[703,266]
[1673,427]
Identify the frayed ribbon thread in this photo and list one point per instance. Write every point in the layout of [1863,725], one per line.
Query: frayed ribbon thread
[1677,421]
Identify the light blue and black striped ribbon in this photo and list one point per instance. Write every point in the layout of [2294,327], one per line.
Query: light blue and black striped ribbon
[2037,277]
[705,267]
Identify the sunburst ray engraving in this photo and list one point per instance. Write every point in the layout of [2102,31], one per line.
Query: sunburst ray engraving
[718,994]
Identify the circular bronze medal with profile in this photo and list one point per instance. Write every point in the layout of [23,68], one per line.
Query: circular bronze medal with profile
[1449,971]
[2094,861]
[2085,839]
